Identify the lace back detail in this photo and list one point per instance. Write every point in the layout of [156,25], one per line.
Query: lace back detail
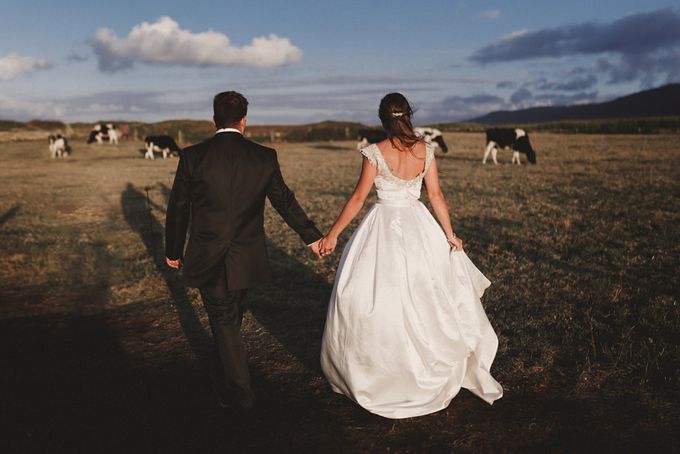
[370,154]
[429,156]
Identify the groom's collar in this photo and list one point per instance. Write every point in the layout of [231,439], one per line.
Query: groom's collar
[228,130]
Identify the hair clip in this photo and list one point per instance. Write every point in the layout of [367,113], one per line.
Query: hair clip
[397,114]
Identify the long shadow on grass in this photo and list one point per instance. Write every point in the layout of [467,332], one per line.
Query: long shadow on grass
[9,214]
[138,216]
[66,370]
[72,387]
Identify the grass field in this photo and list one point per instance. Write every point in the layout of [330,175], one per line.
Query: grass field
[104,350]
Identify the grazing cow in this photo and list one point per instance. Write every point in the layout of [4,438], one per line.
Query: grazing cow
[517,139]
[113,133]
[58,146]
[97,134]
[163,144]
[101,132]
[94,135]
[432,135]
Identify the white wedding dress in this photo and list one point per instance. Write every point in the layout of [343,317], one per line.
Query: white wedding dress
[405,328]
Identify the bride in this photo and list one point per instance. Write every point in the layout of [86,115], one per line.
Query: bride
[405,328]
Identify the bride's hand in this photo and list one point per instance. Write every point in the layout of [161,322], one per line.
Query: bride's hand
[455,243]
[327,245]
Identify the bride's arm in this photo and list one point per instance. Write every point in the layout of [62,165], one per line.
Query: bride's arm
[351,208]
[438,202]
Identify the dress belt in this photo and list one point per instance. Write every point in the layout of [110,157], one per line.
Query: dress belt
[396,202]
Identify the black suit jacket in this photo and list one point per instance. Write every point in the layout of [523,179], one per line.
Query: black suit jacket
[222,183]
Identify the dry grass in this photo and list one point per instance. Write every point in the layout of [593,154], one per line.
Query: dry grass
[104,350]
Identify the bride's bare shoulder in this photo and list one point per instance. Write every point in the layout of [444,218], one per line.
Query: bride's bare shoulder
[384,145]
[419,149]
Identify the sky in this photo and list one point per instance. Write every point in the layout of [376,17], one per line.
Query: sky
[302,61]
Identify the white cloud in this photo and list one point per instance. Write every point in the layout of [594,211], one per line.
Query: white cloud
[164,42]
[514,35]
[491,14]
[15,65]
[22,109]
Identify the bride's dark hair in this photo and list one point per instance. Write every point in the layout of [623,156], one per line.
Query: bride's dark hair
[395,114]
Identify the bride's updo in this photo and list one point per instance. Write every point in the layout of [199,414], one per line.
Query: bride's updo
[395,114]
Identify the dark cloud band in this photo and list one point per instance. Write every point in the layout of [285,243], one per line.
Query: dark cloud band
[639,33]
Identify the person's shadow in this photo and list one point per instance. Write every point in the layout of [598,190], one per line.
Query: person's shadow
[9,214]
[137,212]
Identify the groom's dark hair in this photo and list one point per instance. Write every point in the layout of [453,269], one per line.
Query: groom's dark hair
[229,107]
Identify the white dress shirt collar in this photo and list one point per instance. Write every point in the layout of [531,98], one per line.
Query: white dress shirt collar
[228,130]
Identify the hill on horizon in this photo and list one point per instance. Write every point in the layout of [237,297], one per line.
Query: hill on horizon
[657,102]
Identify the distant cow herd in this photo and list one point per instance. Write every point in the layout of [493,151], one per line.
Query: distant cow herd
[102,133]
[514,139]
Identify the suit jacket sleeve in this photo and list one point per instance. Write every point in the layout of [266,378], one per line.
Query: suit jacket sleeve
[284,201]
[177,215]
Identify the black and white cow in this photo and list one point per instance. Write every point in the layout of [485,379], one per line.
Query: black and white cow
[163,144]
[101,132]
[58,146]
[113,133]
[98,133]
[430,135]
[517,139]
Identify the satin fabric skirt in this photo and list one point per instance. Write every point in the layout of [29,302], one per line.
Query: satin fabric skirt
[405,328]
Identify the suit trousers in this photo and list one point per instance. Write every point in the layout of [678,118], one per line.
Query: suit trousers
[225,310]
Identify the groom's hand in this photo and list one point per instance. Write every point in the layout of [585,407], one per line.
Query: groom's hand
[172,263]
[315,248]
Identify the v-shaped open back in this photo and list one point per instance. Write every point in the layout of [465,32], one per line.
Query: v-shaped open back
[389,168]
[390,186]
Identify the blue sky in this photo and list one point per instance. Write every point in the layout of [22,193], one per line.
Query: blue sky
[304,61]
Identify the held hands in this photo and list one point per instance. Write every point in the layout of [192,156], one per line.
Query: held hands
[315,247]
[324,246]
[455,242]
[173,263]
[328,244]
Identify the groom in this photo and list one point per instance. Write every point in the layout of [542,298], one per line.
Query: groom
[222,183]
